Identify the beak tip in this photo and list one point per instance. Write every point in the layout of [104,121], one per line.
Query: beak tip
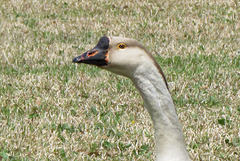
[76,60]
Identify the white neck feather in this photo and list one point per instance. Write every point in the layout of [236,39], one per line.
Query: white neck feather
[170,145]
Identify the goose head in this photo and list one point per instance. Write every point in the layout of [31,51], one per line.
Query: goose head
[117,54]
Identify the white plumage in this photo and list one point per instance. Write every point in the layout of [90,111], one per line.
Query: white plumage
[129,58]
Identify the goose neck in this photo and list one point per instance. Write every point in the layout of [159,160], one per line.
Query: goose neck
[170,143]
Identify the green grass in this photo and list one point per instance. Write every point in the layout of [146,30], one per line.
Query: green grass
[51,109]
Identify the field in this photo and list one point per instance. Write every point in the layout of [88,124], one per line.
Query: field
[52,109]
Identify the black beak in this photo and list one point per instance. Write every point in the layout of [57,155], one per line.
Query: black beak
[97,56]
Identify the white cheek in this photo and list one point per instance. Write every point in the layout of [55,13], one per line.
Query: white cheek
[118,58]
[128,57]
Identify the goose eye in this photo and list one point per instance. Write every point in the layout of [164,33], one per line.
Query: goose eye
[121,46]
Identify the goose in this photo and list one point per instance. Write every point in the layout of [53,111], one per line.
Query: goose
[129,58]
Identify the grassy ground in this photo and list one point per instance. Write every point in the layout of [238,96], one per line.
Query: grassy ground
[51,109]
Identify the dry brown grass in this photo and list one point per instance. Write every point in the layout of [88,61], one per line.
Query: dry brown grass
[53,109]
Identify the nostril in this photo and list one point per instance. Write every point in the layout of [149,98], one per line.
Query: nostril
[91,53]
